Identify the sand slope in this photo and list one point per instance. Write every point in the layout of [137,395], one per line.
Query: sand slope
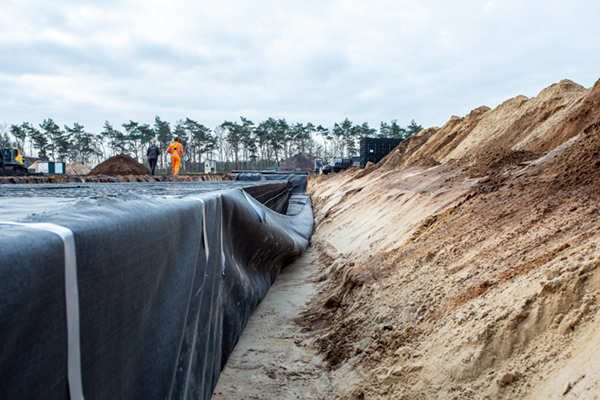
[464,264]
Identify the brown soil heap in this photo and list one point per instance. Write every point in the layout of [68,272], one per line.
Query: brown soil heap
[299,162]
[121,164]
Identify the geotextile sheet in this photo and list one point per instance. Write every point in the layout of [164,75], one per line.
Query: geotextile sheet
[298,179]
[163,290]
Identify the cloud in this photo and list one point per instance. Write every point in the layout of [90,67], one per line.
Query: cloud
[316,61]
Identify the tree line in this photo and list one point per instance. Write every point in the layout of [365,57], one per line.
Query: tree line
[235,144]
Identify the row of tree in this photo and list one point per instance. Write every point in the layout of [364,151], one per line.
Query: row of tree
[240,144]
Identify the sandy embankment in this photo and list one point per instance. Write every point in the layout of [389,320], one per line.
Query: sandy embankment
[462,266]
[465,264]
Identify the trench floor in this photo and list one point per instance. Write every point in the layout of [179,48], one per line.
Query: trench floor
[274,358]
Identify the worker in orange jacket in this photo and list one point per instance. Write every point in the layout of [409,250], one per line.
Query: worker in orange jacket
[176,151]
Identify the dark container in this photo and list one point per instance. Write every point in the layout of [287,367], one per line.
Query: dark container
[373,149]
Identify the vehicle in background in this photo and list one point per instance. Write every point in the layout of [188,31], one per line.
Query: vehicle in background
[340,164]
[12,161]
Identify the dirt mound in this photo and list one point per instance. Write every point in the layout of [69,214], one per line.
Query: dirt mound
[370,167]
[402,154]
[77,169]
[121,164]
[299,162]
[538,125]
[437,285]
[579,165]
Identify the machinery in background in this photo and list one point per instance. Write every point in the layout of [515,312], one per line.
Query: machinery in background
[338,164]
[12,161]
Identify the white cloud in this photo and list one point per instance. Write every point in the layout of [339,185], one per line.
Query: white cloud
[313,60]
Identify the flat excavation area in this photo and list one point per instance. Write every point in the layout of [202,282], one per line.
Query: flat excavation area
[274,359]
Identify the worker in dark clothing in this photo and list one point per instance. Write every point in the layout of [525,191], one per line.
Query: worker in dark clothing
[153,153]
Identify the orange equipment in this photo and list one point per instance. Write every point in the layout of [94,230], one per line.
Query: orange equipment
[176,151]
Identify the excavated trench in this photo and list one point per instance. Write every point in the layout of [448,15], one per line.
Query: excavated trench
[108,289]
[462,266]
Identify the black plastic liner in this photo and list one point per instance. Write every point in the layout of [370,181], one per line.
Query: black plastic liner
[298,179]
[164,294]
[275,195]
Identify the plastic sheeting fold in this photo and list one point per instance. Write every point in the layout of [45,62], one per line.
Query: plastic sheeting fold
[298,179]
[160,312]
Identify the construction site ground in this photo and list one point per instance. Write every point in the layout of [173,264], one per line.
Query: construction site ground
[462,266]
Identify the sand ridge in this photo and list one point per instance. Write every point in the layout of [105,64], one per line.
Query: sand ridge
[465,264]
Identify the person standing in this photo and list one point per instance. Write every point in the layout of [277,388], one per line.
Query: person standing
[176,151]
[152,154]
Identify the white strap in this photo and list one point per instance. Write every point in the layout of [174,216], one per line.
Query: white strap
[221,229]
[204,235]
[72,300]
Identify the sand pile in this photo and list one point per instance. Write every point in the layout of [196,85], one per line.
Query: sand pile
[369,167]
[538,125]
[121,164]
[475,279]
[299,162]
[77,168]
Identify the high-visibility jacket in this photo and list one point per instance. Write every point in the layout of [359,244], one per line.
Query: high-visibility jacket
[175,149]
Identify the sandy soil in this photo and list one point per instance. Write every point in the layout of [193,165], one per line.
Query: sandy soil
[77,168]
[462,266]
[273,358]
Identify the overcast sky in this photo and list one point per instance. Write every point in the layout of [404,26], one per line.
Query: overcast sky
[318,61]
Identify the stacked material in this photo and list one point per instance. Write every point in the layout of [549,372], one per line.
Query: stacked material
[77,169]
[375,149]
[134,295]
